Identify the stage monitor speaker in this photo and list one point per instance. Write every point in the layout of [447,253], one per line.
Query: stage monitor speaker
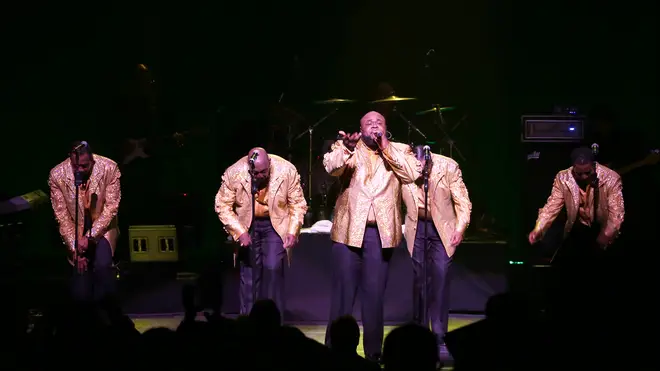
[540,164]
[153,243]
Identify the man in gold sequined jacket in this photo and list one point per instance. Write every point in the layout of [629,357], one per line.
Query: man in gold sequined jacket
[98,203]
[279,211]
[593,197]
[367,220]
[433,233]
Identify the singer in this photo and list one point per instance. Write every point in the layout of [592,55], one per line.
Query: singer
[439,226]
[593,198]
[273,185]
[98,200]
[367,221]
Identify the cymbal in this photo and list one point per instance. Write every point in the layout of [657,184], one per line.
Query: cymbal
[435,109]
[334,101]
[393,98]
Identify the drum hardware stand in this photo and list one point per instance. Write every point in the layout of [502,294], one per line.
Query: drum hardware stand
[310,131]
[411,127]
[442,125]
[289,140]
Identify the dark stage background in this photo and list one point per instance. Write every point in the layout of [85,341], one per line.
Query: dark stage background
[227,77]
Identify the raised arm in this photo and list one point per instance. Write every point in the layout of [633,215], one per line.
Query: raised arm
[57,200]
[337,159]
[403,163]
[460,196]
[552,207]
[224,207]
[615,207]
[296,203]
[111,205]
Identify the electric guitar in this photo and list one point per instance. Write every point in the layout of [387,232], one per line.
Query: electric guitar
[651,159]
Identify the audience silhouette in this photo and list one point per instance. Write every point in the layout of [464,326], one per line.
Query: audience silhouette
[517,334]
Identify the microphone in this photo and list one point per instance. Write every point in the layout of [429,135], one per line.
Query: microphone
[253,157]
[427,152]
[80,146]
[378,134]
[595,149]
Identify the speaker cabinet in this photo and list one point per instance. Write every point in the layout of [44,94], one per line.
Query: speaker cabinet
[540,163]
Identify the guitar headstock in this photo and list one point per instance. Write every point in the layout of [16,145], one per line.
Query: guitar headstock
[652,158]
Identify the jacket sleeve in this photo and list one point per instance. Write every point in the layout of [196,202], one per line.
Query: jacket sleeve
[461,198]
[403,163]
[224,207]
[615,207]
[111,205]
[552,207]
[57,200]
[339,157]
[296,203]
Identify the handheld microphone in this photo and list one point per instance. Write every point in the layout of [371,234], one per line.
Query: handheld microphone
[595,149]
[80,146]
[253,157]
[427,152]
[378,134]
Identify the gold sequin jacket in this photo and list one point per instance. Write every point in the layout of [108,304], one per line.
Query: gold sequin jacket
[448,202]
[366,185]
[566,192]
[286,203]
[104,183]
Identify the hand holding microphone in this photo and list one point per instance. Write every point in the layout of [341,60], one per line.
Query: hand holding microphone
[380,139]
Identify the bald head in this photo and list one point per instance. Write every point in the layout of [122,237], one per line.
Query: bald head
[261,169]
[373,115]
[371,123]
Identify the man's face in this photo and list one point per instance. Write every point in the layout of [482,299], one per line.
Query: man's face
[371,124]
[261,170]
[84,165]
[583,173]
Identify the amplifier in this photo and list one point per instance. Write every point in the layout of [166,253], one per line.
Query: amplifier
[552,128]
[153,243]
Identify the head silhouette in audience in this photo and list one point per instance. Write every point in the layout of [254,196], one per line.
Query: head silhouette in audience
[265,316]
[345,335]
[410,347]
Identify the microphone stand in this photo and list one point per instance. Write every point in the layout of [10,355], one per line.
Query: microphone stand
[253,188]
[78,181]
[452,145]
[427,161]
[411,127]
[310,131]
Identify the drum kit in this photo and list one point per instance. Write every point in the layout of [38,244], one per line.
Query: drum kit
[320,186]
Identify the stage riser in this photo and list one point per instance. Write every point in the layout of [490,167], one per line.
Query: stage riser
[478,270]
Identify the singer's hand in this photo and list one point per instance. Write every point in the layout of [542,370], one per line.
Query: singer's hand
[381,141]
[604,240]
[350,140]
[244,240]
[83,243]
[456,239]
[81,264]
[290,241]
[534,237]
